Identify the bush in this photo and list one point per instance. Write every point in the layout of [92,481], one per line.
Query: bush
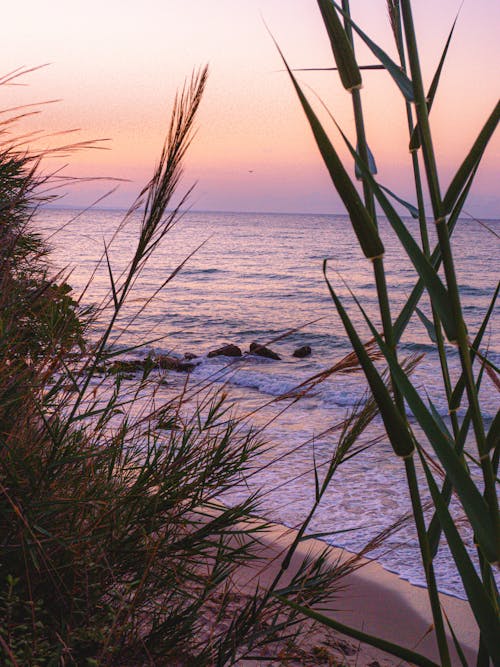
[114,549]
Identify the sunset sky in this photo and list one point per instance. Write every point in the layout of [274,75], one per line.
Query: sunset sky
[115,66]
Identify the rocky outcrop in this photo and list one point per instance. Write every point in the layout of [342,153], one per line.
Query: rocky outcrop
[188,356]
[126,366]
[173,364]
[225,351]
[302,352]
[263,351]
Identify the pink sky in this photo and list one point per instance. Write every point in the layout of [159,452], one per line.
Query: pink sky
[115,65]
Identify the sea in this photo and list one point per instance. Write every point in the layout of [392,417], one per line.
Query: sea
[259,277]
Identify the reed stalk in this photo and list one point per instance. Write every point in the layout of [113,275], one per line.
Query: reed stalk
[450,273]
[480,507]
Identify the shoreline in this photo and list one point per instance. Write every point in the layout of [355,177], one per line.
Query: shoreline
[372,599]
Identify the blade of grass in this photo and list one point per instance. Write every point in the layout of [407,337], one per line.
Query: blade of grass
[342,50]
[399,651]
[472,501]
[401,80]
[415,137]
[362,223]
[471,161]
[486,615]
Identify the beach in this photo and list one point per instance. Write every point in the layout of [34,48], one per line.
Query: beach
[372,599]
[258,278]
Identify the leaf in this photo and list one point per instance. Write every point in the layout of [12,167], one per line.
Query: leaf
[435,259]
[415,137]
[471,161]
[395,425]
[472,501]
[334,69]
[427,324]
[111,278]
[371,165]
[341,46]
[481,605]
[432,281]
[361,220]
[493,437]
[388,647]
[456,396]
[411,208]
[402,81]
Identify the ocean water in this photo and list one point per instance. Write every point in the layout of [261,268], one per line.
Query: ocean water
[259,277]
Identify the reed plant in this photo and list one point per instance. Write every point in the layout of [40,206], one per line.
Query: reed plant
[445,451]
[114,548]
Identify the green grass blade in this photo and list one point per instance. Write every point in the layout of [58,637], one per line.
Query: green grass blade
[493,437]
[111,278]
[471,161]
[435,259]
[377,642]
[413,210]
[426,271]
[438,419]
[458,648]
[481,605]
[457,394]
[415,137]
[402,81]
[395,426]
[361,220]
[472,501]
[431,330]
[341,46]
[372,166]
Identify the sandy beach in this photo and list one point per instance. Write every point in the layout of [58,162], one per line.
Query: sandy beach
[373,599]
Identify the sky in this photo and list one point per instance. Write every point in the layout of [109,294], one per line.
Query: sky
[114,66]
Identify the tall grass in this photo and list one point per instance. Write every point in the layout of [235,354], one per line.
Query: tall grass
[444,443]
[114,549]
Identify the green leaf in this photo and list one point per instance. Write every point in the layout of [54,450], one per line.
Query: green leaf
[371,165]
[410,207]
[111,278]
[397,431]
[458,648]
[472,501]
[402,81]
[472,160]
[341,46]
[493,437]
[388,647]
[427,324]
[481,605]
[415,137]
[456,396]
[435,259]
[361,220]
[426,271]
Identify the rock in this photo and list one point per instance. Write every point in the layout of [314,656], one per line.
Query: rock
[302,352]
[126,366]
[263,351]
[190,355]
[226,351]
[173,364]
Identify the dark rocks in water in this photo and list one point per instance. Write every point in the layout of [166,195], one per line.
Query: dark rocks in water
[173,364]
[263,351]
[302,352]
[189,355]
[126,366]
[226,351]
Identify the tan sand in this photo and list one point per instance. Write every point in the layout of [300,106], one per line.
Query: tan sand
[373,600]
